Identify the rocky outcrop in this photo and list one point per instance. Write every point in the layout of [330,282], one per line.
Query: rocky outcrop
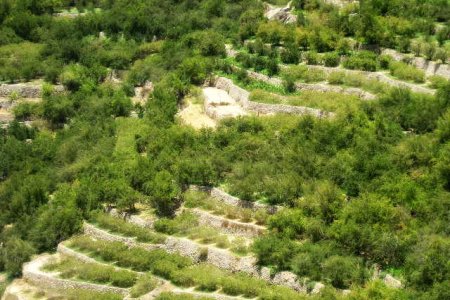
[228,226]
[281,14]
[392,282]
[430,67]
[33,274]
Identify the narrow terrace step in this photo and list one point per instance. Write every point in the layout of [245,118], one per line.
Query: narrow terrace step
[32,273]
[228,226]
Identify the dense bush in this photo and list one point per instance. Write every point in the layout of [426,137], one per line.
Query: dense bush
[363,60]
[331,59]
[406,72]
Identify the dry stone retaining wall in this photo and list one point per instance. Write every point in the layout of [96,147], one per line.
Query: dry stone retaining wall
[25,90]
[104,235]
[382,77]
[318,87]
[242,97]
[66,251]
[430,67]
[228,199]
[33,274]
[228,226]
[218,257]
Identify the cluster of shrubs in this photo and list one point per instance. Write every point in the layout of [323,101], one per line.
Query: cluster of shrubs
[259,63]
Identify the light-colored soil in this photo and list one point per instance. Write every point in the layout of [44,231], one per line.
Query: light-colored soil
[194,115]
[19,289]
[6,116]
[220,105]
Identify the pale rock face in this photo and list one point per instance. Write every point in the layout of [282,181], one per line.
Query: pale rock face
[430,67]
[281,14]
[392,282]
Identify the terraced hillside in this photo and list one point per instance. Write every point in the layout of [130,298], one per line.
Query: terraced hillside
[215,149]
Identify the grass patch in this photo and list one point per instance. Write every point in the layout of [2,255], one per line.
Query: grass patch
[70,268]
[171,296]
[136,259]
[203,200]
[122,227]
[91,295]
[145,284]
[126,150]
[328,101]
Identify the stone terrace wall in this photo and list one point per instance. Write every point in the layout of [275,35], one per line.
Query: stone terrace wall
[226,198]
[376,76]
[33,274]
[430,67]
[242,97]
[228,226]
[25,90]
[318,87]
[220,258]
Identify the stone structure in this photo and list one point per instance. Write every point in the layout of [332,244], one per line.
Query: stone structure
[228,226]
[25,90]
[98,233]
[33,274]
[317,87]
[141,93]
[430,67]
[220,258]
[228,199]
[281,14]
[241,96]
[379,76]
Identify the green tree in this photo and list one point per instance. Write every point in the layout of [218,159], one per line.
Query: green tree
[14,254]
[164,193]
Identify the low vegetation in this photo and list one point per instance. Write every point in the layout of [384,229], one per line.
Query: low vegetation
[327,101]
[122,227]
[70,268]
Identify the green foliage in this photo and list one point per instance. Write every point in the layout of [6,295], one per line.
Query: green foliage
[331,59]
[406,72]
[14,253]
[72,269]
[164,193]
[122,227]
[144,284]
[57,220]
[362,60]
[20,61]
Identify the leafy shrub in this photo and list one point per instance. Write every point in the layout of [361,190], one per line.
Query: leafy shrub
[363,60]
[14,254]
[406,72]
[336,78]
[384,61]
[312,58]
[342,272]
[331,59]
[437,82]
[143,285]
